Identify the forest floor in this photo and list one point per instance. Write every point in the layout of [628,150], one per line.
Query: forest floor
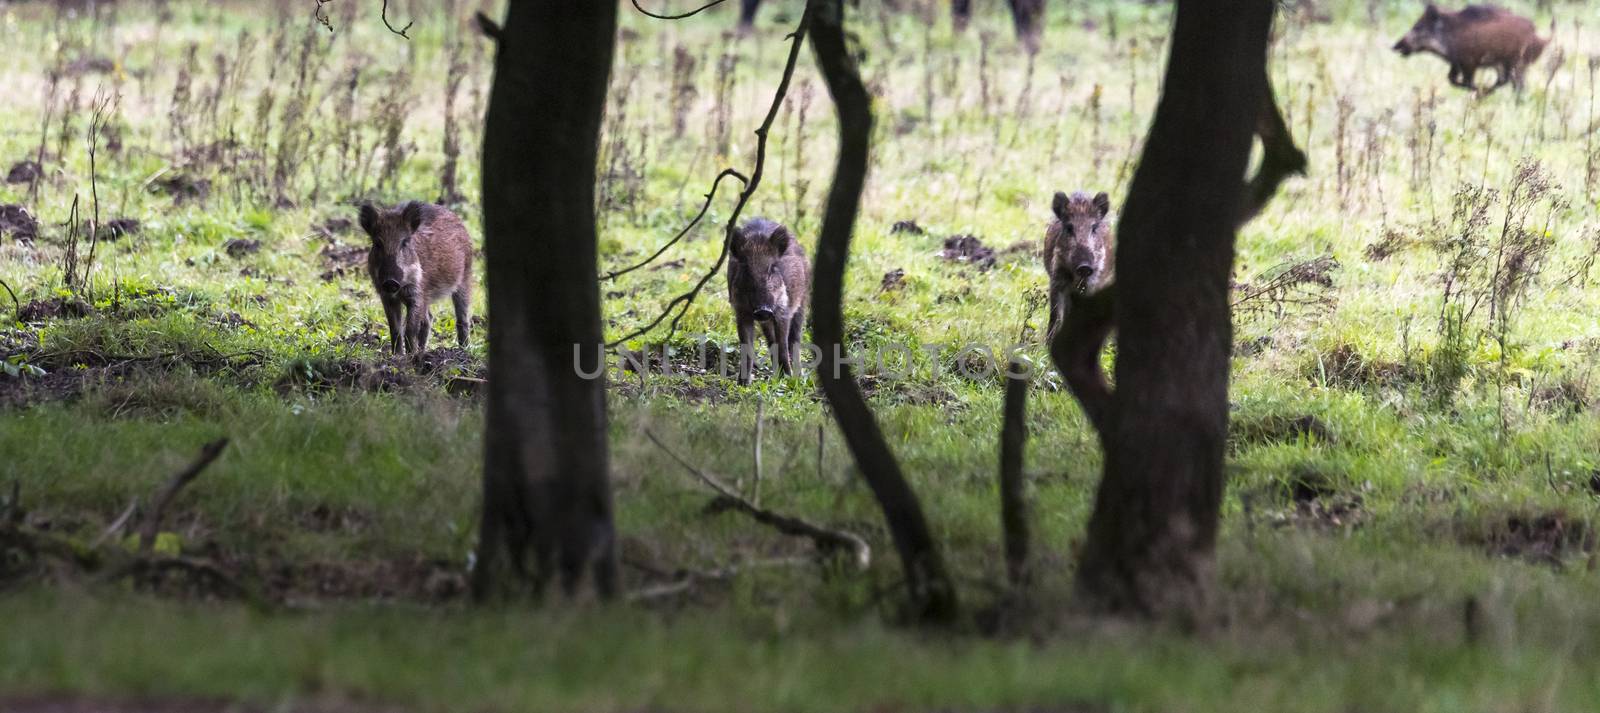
[1414,475]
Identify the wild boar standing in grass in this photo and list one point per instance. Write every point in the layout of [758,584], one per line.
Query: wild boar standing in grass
[420,253]
[1476,37]
[768,282]
[1078,250]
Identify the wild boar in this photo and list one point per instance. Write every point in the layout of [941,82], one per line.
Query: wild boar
[768,283]
[1477,36]
[1078,250]
[420,253]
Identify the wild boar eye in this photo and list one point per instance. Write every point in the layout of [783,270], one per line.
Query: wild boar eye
[773,270]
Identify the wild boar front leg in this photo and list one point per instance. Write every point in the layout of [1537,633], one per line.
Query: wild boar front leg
[747,349]
[393,311]
[796,322]
[417,324]
[778,345]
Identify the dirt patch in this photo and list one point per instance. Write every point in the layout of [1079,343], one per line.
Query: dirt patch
[54,308]
[332,227]
[111,230]
[1317,502]
[968,249]
[1544,537]
[184,189]
[906,226]
[92,64]
[17,222]
[1345,368]
[1277,428]
[240,247]
[24,172]
[893,280]
[54,385]
[455,370]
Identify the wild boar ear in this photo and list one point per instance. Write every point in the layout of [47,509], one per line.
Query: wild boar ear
[1430,12]
[1058,205]
[779,239]
[368,217]
[1102,203]
[412,214]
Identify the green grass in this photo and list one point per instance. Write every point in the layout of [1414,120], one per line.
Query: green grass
[1434,496]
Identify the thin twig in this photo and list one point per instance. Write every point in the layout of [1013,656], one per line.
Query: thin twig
[402,31]
[690,13]
[158,506]
[704,207]
[824,538]
[14,301]
[116,525]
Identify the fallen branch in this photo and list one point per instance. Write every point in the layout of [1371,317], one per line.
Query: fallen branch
[825,539]
[152,519]
[685,580]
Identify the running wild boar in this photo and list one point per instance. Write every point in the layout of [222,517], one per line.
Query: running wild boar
[1476,37]
[768,282]
[420,253]
[1078,250]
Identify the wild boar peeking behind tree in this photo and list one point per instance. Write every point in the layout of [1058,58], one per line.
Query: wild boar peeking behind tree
[420,253]
[1476,37]
[768,281]
[1078,250]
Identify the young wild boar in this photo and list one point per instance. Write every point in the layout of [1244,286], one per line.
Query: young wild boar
[1478,36]
[1078,250]
[768,282]
[420,253]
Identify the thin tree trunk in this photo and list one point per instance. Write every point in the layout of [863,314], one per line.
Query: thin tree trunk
[1151,538]
[546,492]
[933,598]
[1013,504]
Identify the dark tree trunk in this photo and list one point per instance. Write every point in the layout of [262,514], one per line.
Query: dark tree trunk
[546,492]
[1151,537]
[933,598]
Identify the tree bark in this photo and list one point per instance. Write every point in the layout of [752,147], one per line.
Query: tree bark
[933,598]
[546,493]
[1152,534]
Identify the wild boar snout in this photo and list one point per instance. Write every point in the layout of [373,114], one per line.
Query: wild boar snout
[762,313]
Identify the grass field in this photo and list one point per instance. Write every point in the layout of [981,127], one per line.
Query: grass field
[1410,518]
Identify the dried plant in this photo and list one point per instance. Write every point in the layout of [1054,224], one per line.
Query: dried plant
[1294,288]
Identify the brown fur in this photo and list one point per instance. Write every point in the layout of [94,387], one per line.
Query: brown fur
[1079,251]
[768,283]
[420,253]
[1476,37]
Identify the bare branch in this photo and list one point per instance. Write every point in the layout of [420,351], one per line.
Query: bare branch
[704,207]
[1013,504]
[14,301]
[690,13]
[1280,158]
[158,507]
[824,538]
[385,15]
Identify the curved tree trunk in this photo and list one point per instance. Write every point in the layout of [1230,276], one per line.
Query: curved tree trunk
[546,492]
[1151,537]
[933,598]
